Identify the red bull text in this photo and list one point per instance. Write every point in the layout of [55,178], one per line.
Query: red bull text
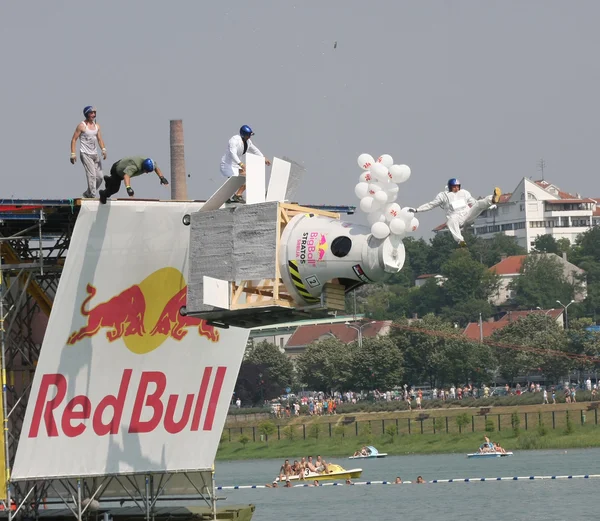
[56,418]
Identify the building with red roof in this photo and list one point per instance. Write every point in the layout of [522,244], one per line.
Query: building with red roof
[510,267]
[537,208]
[306,335]
[480,330]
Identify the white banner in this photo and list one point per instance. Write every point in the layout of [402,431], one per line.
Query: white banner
[124,383]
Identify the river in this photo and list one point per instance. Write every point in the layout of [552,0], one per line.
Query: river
[507,500]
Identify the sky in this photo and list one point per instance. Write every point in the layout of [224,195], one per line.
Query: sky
[479,90]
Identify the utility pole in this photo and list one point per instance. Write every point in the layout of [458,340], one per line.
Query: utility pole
[541,164]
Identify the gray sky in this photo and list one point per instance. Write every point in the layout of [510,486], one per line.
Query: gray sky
[475,89]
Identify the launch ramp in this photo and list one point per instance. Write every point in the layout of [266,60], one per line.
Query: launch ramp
[126,389]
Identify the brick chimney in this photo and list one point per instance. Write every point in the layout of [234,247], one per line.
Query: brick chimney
[178,180]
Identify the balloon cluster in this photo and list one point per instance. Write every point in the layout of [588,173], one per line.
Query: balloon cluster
[378,191]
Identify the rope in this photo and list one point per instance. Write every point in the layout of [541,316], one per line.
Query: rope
[536,350]
[451,480]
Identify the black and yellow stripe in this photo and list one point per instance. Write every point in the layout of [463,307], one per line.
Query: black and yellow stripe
[297,281]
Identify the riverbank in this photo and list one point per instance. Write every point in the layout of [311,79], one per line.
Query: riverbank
[417,432]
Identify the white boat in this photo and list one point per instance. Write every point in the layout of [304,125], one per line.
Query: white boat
[489,453]
[372,452]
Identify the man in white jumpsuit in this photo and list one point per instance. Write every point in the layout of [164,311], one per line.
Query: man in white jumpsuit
[231,162]
[460,206]
[89,134]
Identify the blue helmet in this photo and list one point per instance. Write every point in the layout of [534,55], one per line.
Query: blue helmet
[88,109]
[148,165]
[245,130]
[453,182]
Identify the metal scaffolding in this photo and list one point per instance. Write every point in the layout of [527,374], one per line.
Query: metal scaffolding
[34,239]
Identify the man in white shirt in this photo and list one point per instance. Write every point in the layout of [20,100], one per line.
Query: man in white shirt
[231,162]
[460,206]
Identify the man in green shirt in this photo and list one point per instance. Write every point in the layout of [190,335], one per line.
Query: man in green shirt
[124,170]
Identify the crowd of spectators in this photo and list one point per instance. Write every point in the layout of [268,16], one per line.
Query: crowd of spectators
[323,404]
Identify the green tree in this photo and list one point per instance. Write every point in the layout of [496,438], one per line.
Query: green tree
[429,298]
[467,279]
[326,364]
[490,251]
[377,364]
[264,374]
[541,282]
[543,343]
[583,342]
[467,311]
[442,247]
[586,254]
[267,428]
[545,244]
[423,345]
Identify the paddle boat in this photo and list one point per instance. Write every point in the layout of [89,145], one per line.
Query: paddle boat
[369,452]
[336,472]
[486,450]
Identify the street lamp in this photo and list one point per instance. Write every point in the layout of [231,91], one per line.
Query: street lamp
[549,311]
[359,330]
[566,313]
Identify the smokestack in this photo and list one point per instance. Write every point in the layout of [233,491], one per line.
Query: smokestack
[178,181]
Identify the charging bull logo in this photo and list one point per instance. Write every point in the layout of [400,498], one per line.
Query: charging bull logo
[143,315]
[311,248]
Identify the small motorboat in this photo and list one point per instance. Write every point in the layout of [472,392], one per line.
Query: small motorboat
[486,450]
[335,472]
[369,452]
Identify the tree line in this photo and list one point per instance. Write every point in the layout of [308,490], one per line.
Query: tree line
[468,283]
[425,352]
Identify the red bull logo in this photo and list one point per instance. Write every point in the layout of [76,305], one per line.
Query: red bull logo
[143,315]
[311,248]
[322,247]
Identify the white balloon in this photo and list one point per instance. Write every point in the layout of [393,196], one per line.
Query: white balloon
[375,217]
[361,190]
[366,203]
[376,206]
[379,171]
[381,197]
[414,224]
[380,230]
[391,188]
[386,160]
[374,188]
[395,173]
[403,173]
[392,211]
[392,197]
[406,216]
[366,177]
[365,161]
[397,226]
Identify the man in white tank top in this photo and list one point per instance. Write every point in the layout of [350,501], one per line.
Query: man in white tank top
[89,135]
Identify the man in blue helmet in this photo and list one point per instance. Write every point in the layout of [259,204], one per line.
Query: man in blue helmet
[460,206]
[124,170]
[231,162]
[89,135]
